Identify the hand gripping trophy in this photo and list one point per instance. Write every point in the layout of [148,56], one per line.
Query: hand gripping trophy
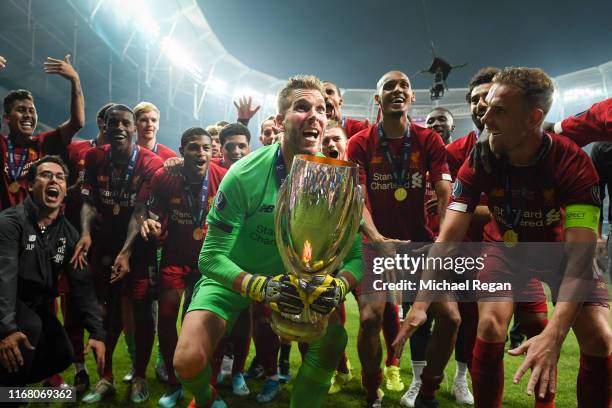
[318,214]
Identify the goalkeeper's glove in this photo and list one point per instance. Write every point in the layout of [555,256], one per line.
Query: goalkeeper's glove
[279,292]
[324,293]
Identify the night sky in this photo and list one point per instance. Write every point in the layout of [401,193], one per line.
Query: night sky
[354,42]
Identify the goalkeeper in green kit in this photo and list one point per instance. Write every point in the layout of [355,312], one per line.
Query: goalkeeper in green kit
[240,261]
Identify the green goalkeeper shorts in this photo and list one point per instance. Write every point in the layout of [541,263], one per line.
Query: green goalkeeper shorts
[210,295]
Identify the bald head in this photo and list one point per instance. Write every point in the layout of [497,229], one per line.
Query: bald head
[395,74]
[394,94]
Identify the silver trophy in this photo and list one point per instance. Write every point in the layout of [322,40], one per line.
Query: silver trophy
[318,214]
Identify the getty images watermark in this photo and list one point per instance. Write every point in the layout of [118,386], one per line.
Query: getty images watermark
[474,271]
[413,265]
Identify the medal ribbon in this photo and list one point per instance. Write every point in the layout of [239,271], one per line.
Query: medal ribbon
[118,193]
[512,223]
[16,170]
[399,176]
[197,214]
[280,168]
[542,151]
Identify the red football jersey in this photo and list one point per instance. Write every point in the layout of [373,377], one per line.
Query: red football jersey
[590,126]
[433,219]
[219,162]
[97,188]
[353,126]
[564,175]
[169,202]
[75,159]
[459,150]
[399,219]
[37,146]
[162,151]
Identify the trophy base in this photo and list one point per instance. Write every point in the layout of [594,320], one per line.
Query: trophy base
[304,328]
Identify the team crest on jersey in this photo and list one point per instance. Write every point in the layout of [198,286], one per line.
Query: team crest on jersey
[553,216]
[220,201]
[414,159]
[595,194]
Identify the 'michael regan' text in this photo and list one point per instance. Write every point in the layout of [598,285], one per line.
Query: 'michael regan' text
[444,286]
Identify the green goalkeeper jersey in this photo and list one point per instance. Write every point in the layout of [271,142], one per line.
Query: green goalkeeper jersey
[240,233]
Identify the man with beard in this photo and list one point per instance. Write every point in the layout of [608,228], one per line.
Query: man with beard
[333,105]
[36,242]
[394,157]
[115,176]
[180,205]
[441,120]
[233,276]
[21,148]
[530,160]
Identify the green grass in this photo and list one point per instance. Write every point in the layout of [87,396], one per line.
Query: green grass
[353,395]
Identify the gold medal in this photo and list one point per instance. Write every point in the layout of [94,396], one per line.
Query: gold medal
[510,238]
[400,194]
[116,209]
[198,234]
[14,187]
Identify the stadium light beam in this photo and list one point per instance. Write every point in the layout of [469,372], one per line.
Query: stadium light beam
[137,13]
[180,58]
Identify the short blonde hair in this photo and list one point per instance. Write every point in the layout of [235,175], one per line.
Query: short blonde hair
[214,130]
[294,83]
[145,107]
[537,87]
[269,118]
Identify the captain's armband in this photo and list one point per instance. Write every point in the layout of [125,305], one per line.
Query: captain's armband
[582,215]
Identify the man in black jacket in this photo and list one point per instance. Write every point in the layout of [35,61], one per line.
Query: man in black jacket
[36,243]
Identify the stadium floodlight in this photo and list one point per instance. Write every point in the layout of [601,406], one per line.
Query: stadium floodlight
[137,14]
[581,93]
[180,58]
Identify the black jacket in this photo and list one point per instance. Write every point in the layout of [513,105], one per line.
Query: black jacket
[30,263]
